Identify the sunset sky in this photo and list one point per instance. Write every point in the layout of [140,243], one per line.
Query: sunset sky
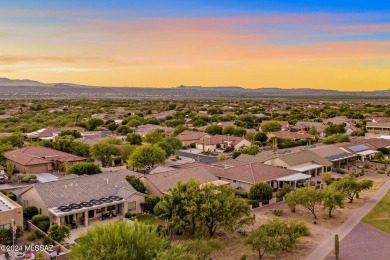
[253,44]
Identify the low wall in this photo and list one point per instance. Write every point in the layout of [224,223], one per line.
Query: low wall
[62,252]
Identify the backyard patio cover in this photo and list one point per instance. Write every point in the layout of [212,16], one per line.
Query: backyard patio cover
[368,152]
[306,167]
[295,177]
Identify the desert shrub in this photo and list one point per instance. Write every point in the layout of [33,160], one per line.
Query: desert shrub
[42,221]
[32,236]
[29,212]
[278,212]
[253,203]
[27,178]
[241,194]
[284,190]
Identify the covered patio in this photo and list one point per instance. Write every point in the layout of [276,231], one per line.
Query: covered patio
[312,169]
[366,155]
[83,213]
[75,233]
[296,180]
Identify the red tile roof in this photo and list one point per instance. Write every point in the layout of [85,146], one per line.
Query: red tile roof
[221,139]
[251,172]
[292,135]
[34,155]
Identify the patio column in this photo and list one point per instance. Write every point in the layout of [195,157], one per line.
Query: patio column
[58,221]
[86,218]
[295,184]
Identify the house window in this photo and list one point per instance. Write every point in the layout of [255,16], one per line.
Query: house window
[131,206]
[99,210]
[5,226]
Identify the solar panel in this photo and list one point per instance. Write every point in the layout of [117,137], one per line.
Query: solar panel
[358,148]
[338,156]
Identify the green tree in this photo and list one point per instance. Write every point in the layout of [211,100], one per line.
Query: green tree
[124,130]
[104,152]
[352,187]
[336,138]
[379,156]
[88,168]
[260,137]
[252,150]
[332,129]
[175,251]
[214,129]
[134,138]
[136,183]
[14,140]
[179,129]
[307,197]
[93,123]
[272,126]
[168,149]
[260,191]
[153,137]
[74,133]
[174,142]
[126,150]
[228,130]
[29,212]
[181,206]
[276,236]
[221,209]
[63,143]
[42,221]
[59,232]
[239,131]
[202,248]
[313,131]
[134,123]
[10,169]
[79,148]
[333,198]
[118,241]
[152,200]
[3,149]
[174,122]
[146,156]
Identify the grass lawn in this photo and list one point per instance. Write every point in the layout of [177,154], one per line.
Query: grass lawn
[379,216]
[149,219]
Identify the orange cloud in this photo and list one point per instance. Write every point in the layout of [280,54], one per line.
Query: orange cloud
[205,51]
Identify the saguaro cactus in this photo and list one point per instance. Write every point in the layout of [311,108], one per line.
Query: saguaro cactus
[337,245]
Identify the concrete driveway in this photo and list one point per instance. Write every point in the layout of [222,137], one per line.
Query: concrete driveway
[46,177]
[198,157]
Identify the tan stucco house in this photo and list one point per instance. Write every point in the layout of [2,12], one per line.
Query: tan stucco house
[10,210]
[37,159]
[82,199]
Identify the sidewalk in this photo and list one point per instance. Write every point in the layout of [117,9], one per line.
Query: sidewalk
[322,251]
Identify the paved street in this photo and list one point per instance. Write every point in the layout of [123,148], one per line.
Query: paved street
[198,157]
[322,251]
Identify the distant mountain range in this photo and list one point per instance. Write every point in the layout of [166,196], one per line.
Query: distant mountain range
[34,89]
